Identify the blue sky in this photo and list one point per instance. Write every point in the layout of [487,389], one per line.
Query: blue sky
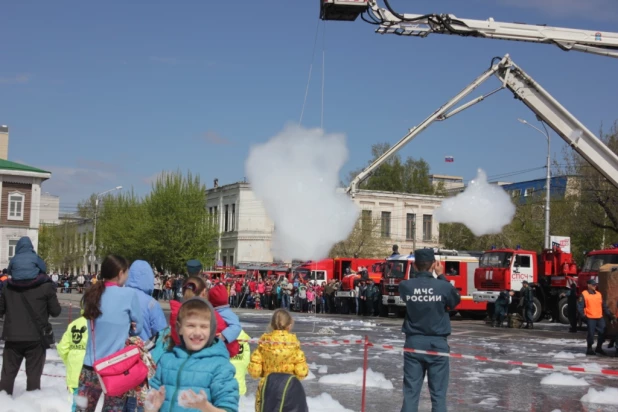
[107,94]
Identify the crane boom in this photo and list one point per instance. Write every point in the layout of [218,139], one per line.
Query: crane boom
[526,89]
[416,25]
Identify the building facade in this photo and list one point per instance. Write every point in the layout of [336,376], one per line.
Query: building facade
[404,219]
[245,230]
[20,204]
[450,183]
[560,186]
[50,209]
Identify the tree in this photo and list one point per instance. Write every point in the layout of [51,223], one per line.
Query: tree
[395,175]
[180,227]
[123,227]
[46,243]
[597,195]
[365,241]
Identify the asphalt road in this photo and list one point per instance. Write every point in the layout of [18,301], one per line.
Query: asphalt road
[473,386]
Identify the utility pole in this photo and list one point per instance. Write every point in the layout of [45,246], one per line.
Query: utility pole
[548,179]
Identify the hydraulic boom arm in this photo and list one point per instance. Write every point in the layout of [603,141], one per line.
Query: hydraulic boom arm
[391,22]
[526,89]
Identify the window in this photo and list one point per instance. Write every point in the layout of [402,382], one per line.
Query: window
[516,193]
[451,268]
[528,191]
[12,245]
[231,262]
[233,228]
[523,261]
[410,226]
[427,227]
[16,206]
[366,221]
[386,224]
[226,218]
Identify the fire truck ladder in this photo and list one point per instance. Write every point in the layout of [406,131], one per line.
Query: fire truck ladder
[526,89]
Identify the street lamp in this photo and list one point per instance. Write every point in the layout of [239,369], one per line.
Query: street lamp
[94,232]
[547,195]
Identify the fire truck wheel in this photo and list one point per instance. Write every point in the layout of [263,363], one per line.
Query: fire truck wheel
[563,311]
[538,311]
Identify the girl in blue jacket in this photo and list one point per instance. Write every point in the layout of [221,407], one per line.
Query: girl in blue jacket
[196,375]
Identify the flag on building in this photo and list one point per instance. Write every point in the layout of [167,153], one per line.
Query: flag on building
[449,159]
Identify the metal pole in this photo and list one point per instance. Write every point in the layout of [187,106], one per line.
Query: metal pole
[548,192]
[94,237]
[548,182]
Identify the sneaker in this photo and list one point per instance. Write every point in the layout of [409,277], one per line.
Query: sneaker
[590,352]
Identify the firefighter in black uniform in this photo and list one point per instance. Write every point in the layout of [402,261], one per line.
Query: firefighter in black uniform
[427,325]
[527,297]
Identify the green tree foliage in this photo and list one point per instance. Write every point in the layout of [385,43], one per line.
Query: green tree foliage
[166,228]
[397,175]
[123,226]
[598,197]
[364,241]
[180,227]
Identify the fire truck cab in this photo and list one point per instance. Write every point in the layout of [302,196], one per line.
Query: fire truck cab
[592,265]
[459,267]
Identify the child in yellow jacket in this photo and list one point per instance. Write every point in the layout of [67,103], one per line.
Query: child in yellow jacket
[279,351]
[241,362]
[72,350]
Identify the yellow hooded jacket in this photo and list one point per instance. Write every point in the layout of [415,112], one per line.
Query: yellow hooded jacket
[283,357]
[241,362]
[72,350]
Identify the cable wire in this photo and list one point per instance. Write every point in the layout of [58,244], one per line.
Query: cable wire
[315,42]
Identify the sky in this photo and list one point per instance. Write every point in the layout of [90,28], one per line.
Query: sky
[112,93]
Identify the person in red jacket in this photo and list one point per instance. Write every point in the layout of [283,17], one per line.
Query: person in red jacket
[196,286]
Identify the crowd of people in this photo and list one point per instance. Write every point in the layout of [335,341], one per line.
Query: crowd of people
[123,348]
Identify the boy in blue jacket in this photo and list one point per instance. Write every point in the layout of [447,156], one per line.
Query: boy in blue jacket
[25,264]
[196,375]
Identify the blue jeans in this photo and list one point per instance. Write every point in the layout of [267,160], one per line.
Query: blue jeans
[131,406]
[596,325]
[286,301]
[416,366]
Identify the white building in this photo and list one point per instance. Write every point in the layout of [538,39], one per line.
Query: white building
[50,209]
[245,229]
[405,219]
[450,183]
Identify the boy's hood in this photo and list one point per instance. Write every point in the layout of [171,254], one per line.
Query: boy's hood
[141,276]
[24,245]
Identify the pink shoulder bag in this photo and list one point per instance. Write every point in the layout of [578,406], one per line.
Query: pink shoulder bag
[119,372]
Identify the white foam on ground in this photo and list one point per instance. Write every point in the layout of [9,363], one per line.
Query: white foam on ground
[608,396]
[560,379]
[374,379]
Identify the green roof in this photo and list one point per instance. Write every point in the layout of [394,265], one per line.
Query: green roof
[8,165]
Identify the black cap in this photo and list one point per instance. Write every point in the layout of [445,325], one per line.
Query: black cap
[525,282]
[5,271]
[424,255]
[592,282]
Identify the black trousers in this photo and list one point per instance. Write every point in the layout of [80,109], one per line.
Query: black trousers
[14,354]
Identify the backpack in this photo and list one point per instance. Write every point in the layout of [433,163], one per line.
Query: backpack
[284,393]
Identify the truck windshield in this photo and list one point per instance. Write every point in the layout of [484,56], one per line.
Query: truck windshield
[594,262]
[395,269]
[496,260]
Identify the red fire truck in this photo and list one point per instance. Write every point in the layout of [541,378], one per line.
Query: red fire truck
[327,269]
[594,261]
[458,267]
[550,274]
